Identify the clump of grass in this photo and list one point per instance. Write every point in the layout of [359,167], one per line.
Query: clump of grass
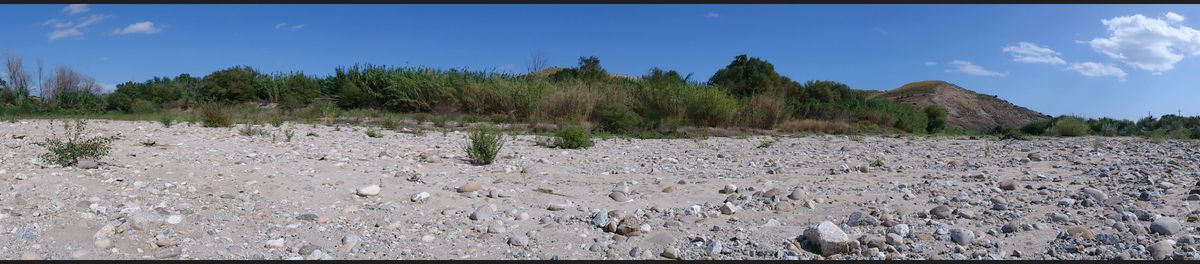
[277,120]
[166,120]
[766,143]
[485,145]
[573,137]
[253,130]
[212,115]
[67,151]
[373,134]
[311,134]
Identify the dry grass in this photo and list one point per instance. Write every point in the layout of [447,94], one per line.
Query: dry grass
[814,126]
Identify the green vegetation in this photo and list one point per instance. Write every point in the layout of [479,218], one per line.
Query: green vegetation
[573,137]
[75,146]
[745,95]
[485,145]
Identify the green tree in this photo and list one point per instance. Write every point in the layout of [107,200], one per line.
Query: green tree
[236,84]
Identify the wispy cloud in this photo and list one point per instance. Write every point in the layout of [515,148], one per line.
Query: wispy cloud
[880,30]
[1032,53]
[72,29]
[285,26]
[1095,69]
[712,15]
[930,63]
[144,27]
[972,69]
[76,9]
[1149,44]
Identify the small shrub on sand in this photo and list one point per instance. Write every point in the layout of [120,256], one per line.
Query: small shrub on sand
[67,151]
[485,145]
[573,137]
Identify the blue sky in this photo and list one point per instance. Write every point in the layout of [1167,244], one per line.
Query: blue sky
[1093,60]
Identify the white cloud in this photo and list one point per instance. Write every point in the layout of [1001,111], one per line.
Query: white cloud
[69,29]
[972,69]
[1093,69]
[66,33]
[76,8]
[285,26]
[1032,53]
[930,63]
[144,27]
[712,15]
[1173,17]
[1149,44]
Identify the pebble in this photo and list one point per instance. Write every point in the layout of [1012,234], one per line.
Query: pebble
[275,243]
[669,189]
[1162,249]
[470,187]
[671,253]
[519,240]
[941,211]
[369,190]
[797,194]
[1008,185]
[831,239]
[728,208]
[729,188]
[103,243]
[1081,232]
[174,219]
[483,212]
[619,197]
[427,238]
[1166,226]
[420,197]
[713,247]
[962,236]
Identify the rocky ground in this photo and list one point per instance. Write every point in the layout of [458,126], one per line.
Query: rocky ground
[188,192]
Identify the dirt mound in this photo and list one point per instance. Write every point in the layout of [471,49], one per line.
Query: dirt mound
[964,108]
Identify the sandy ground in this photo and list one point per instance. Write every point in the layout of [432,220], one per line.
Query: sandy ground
[210,193]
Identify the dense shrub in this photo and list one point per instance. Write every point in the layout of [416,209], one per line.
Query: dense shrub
[237,84]
[618,118]
[936,117]
[215,115]
[485,145]
[1036,127]
[1068,126]
[570,104]
[708,107]
[79,102]
[573,137]
[746,76]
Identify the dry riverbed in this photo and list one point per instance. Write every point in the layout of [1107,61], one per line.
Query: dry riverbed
[210,193]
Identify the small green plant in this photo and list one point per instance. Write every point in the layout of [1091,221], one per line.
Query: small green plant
[252,130]
[75,146]
[878,162]
[166,120]
[311,134]
[485,145]
[573,137]
[288,134]
[766,143]
[373,134]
